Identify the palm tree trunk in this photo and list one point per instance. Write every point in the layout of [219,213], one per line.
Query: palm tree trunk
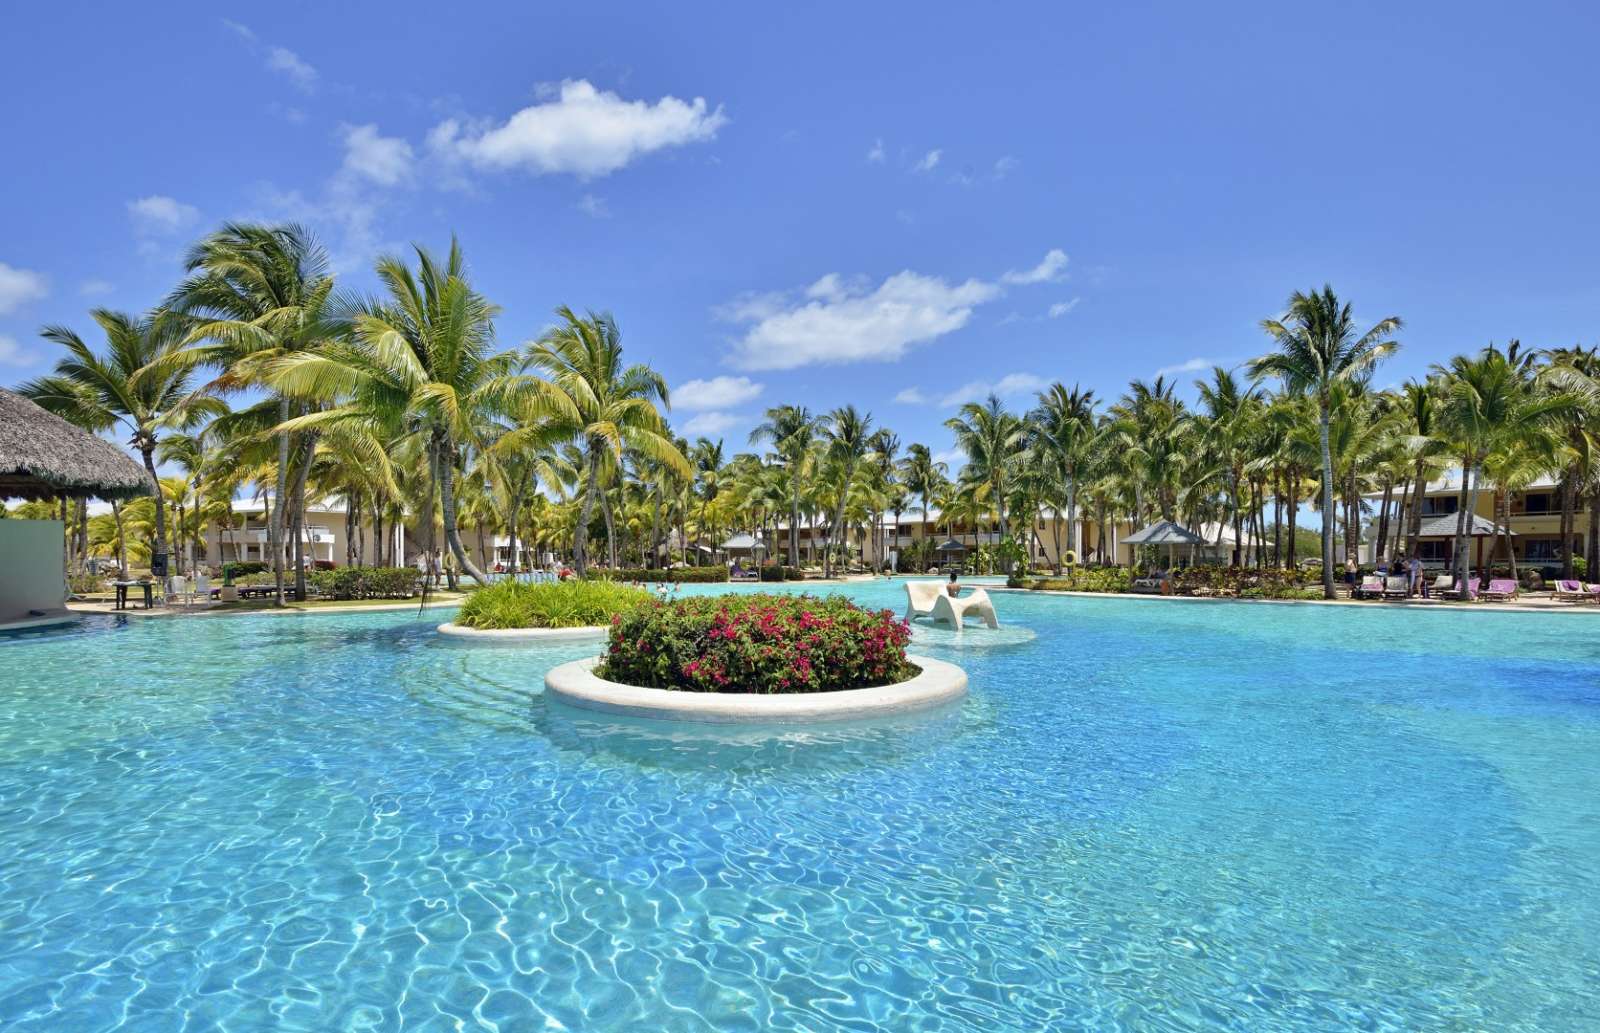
[122,540]
[1568,521]
[580,533]
[161,506]
[1469,497]
[1592,552]
[275,519]
[1327,506]
[309,449]
[447,502]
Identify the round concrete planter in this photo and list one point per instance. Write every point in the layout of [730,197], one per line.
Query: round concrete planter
[593,634]
[575,684]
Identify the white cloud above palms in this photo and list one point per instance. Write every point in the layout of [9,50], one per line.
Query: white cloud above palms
[1051,268]
[716,393]
[581,131]
[18,287]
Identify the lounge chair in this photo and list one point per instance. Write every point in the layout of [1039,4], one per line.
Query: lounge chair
[1157,585]
[1501,590]
[1442,585]
[1397,586]
[954,610]
[920,597]
[1371,587]
[1572,591]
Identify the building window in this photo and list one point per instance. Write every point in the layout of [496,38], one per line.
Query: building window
[1537,502]
[1440,506]
[1541,549]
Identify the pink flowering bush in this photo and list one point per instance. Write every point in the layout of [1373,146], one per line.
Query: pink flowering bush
[756,643]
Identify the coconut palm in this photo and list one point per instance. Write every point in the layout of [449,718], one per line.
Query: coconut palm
[417,363]
[846,433]
[792,430]
[602,406]
[253,295]
[991,437]
[1318,346]
[137,385]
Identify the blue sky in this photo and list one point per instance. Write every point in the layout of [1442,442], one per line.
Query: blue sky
[891,206]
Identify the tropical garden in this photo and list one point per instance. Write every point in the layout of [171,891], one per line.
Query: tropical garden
[259,377]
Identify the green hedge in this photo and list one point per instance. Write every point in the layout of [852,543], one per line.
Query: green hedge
[757,643]
[781,572]
[671,575]
[548,604]
[366,582]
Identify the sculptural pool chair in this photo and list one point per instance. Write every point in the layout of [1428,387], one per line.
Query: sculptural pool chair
[1500,590]
[920,597]
[954,611]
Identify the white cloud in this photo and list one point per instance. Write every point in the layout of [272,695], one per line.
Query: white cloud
[594,207]
[876,155]
[1005,166]
[288,63]
[93,288]
[716,393]
[12,353]
[928,162]
[837,323]
[953,458]
[18,287]
[1050,269]
[1061,308]
[1194,365]
[710,423]
[1008,386]
[161,214]
[582,131]
[385,160]
[912,396]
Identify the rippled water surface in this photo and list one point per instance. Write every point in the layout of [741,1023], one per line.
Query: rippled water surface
[1148,815]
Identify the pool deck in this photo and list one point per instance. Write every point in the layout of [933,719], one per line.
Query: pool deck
[1533,604]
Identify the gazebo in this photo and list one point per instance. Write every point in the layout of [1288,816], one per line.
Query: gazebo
[749,544]
[42,456]
[1444,526]
[1164,532]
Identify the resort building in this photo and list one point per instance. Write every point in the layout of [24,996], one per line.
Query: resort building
[1532,516]
[325,536]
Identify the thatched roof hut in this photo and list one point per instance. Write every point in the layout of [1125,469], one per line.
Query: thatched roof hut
[42,456]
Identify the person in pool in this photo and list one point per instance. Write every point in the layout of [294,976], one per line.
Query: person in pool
[953,589]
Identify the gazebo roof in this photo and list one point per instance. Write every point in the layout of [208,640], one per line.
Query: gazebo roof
[42,455]
[1444,526]
[744,541]
[950,545]
[1164,532]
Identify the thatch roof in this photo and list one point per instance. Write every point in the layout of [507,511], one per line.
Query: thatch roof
[1444,526]
[42,455]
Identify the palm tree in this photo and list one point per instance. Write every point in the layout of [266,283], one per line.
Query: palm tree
[139,385]
[991,437]
[1488,403]
[792,430]
[417,363]
[602,406]
[1318,346]
[254,295]
[923,476]
[1064,429]
[846,432]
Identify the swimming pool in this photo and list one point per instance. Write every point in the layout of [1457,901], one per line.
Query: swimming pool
[1149,814]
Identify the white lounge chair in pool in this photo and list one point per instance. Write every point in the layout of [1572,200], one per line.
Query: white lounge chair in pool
[953,611]
[920,597]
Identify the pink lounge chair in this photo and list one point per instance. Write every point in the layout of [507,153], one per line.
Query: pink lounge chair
[1570,590]
[1501,590]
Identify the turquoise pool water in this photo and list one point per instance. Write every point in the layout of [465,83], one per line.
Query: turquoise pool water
[1149,815]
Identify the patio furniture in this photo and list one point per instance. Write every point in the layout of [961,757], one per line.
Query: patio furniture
[1397,586]
[1443,583]
[1572,591]
[1501,590]
[953,610]
[122,593]
[1371,587]
[920,597]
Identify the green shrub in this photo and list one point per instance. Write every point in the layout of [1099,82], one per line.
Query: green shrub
[364,582]
[781,572]
[86,584]
[548,604]
[757,643]
[244,568]
[670,575]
